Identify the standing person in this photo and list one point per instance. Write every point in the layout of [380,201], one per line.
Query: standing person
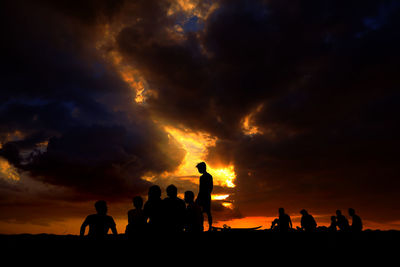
[308,223]
[194,216]
[205,189]
[100,223]
[174,211]
[153,209]
[285,223]
[136,218]
[356,224]
[341,221]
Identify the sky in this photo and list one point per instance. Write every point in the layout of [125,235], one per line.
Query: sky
[291,104]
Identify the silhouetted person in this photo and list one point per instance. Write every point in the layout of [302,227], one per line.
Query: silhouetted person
[308,223]
[285,223]
[136,219]
[205,189]
[356,224]
[194,215]
[333,225]
[341,221]
[100,223]
[174,211]
[153,209]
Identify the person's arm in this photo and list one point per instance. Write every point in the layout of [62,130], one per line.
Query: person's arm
[290,223]
[83,227]
[114,228]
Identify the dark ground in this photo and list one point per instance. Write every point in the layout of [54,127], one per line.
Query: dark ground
[210,248]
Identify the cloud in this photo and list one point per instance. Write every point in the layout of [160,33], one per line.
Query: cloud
[324,73]
[328,95]
[55,90]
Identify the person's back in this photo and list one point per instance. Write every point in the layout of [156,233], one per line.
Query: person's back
[194,215]
[174,211]
[285,223]
[100,223]
[153,208]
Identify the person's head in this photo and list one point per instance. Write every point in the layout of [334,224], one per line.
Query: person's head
[189,197]
[154,192]
[101,207]
[201,167]
[338,212]
[138,202]
[281,211]
[303,212]
[352,212]
[172,191]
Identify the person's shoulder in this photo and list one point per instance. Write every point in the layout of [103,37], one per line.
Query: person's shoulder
[181,201]
[132,211]
[109,218]
[92,217]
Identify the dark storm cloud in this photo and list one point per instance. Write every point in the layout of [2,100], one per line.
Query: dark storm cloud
[56,89]
[326,75]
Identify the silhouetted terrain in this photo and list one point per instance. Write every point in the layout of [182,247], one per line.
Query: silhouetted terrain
[208,248]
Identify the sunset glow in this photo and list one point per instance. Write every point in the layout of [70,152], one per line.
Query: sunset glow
[7,171]
[196,145]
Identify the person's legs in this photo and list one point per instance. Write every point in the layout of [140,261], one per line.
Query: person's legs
[209,217]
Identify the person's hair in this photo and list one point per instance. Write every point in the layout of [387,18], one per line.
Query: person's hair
[101,206]
[138,201]
[281,210]
[172,191]
[154,192]
[339,212]
[202,165]
[352,211]
[189,196]
[303,211]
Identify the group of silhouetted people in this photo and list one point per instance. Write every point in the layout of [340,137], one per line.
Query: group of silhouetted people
[308,223]
[168,215]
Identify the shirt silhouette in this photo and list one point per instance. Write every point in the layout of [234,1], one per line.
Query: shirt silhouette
[174,211]
[100,223]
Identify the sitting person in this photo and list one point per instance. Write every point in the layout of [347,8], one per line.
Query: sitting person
[194,215]
[136,219]
[342,222]
[308,223]
[333,226]
[356,224]
[100,223]
[174,211]
[153,209]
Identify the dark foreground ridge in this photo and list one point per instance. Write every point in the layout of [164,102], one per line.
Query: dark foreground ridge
[208,247]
